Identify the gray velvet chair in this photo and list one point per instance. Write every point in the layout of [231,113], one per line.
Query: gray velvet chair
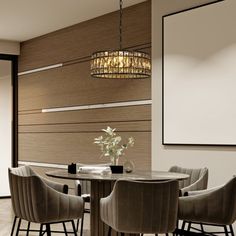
[198,179]
[216,206]
[141,207]
[38,200]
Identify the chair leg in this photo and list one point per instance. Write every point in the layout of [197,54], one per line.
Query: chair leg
[28,228]
[183,225]
[109,231]
[64,227]
[182,228]
[18,227]
[82,225]
[175,233]
[202,229]
[231,230]
[122,234]
[73,226]
[189,226]
[226,230]
[48,229]
[77,225]
[41,229]
[13,226]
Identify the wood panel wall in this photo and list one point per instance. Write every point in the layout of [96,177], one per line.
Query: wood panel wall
[65,137]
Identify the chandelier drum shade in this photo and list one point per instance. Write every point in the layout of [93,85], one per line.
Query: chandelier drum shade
[120,64]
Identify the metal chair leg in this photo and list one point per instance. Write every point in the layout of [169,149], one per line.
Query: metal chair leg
[77,225]
[176,230]
[202,229]
[64,227]
[18,227]
[73,226]
[48,229]
[82,225]
[109,231]
[28,228]
[226,230]
[189,226]
[182,229]
[41,230]
[13,226]
[231,230]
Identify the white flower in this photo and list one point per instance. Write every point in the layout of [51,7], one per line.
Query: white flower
[110,144]
[109,130]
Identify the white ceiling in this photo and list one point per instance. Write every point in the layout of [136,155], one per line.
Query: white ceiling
[25,19]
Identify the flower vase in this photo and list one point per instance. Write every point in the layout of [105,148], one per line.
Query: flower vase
[115,167]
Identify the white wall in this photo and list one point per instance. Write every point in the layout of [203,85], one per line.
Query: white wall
[9,47]
[5,129]
[221,161]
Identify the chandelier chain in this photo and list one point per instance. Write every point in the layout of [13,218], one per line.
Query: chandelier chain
[120,28]
[120,64]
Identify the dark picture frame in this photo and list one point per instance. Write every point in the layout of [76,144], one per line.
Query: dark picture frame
[163,79]
[14,80]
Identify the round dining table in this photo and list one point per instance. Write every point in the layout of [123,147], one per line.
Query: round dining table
[102,185]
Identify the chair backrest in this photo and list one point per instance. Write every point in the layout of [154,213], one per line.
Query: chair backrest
[227,197]
[84,186]
[194,175]
[22,171]
[145,207]
[27,190]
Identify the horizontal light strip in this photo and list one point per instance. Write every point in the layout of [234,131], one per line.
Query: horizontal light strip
[99,106]
[40,69]
[41,164]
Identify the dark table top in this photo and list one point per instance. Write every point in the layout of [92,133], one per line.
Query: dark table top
[137,175]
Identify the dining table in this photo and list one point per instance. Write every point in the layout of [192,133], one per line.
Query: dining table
[102,185]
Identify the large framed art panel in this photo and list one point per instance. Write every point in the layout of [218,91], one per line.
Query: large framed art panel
[199,75]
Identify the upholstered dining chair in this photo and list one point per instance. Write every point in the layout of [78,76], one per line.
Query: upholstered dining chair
[198,179]
[27,171]
[141,207]
[37,200]
[216,206]
[83,189]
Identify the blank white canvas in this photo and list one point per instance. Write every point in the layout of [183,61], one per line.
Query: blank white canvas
[5,126]
[200,76]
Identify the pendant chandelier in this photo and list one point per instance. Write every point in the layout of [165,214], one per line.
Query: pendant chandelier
[120,64]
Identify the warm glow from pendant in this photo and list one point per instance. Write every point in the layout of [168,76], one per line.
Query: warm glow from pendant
[120,64]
